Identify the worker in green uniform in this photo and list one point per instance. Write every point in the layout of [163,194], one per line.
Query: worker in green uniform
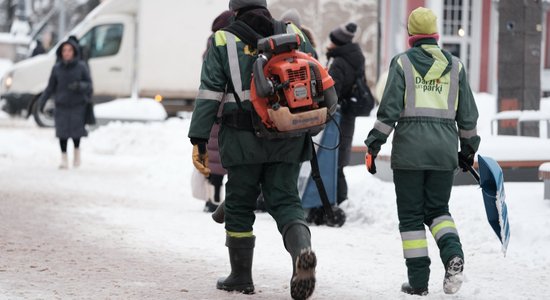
[254,164]
[429,104]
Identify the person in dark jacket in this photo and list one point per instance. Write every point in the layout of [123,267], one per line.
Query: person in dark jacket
[345,60]
[71,85]
[38,49]
[217,171]
[253,163]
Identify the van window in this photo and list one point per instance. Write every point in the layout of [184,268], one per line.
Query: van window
[102,40]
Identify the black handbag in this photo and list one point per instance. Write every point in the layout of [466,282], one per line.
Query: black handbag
[90,116]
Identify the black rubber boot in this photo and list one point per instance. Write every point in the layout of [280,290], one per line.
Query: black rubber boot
[297,239]
[408,289]
[453,275]
[241,251]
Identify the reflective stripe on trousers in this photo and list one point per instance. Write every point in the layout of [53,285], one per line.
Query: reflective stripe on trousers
[443,225]
[414,244]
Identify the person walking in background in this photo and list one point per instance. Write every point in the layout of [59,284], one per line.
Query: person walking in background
[217,171]
[38,49]
[253,163]
[346,60]
[427,95]
[292,15]
[71,85]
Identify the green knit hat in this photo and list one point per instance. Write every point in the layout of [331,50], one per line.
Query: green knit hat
[422,21]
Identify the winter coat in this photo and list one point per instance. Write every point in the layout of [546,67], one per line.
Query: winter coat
[346,61]
[71,85]
[237,146]
[426,142]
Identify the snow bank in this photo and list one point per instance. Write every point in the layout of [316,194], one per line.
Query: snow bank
[131,110]
[139,139]
[545,167]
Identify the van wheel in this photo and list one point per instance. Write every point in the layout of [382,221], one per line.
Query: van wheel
[46,118]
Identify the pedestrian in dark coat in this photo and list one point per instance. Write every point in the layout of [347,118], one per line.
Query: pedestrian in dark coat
[71,85]
[345,61]
[38,49]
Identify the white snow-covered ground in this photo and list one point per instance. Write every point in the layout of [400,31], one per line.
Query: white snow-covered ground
[124,226]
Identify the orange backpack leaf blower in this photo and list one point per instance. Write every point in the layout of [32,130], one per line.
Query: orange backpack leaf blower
[291,92]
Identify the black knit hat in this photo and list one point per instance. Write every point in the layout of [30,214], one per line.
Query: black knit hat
[235,5]
[343,34]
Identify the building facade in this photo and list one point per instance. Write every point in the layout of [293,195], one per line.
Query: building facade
[469,29]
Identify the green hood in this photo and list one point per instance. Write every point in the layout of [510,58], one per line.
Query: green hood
[429,60]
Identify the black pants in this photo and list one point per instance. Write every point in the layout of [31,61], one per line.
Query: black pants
[347,128]
[63,144]
[217,181]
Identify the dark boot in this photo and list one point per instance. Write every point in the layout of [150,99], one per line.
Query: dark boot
[210,207]
[408,289]
[297,239]
[453,275]
[241,251]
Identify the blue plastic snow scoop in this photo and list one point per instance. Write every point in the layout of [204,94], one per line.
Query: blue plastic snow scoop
[491,181]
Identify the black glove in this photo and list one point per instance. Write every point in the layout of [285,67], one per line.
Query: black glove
[465,161]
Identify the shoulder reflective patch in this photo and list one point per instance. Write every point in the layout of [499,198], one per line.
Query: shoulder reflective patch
[297,31]
[220,38]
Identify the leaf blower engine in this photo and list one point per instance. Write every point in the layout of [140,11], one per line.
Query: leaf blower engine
[292,93]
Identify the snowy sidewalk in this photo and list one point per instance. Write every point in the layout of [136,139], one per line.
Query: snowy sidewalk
[124,226]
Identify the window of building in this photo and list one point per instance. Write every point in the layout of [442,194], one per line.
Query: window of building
[457,29]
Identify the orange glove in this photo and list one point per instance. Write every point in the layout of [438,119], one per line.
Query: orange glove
[369,162]
[200,159]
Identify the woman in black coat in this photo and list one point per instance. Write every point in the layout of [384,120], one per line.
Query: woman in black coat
[346,61]
[71,85]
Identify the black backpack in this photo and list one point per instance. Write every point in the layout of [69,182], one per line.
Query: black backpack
[360,101]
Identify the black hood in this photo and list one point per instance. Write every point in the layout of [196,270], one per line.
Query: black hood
[75,46]
[350,52]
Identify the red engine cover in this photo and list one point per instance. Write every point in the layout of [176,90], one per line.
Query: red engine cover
[292,67]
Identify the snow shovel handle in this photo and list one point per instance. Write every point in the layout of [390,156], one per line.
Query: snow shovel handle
[316,174]
[474,173]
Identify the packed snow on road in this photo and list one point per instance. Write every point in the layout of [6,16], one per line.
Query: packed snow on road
[124,226]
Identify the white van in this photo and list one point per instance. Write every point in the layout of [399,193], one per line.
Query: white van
[144,48]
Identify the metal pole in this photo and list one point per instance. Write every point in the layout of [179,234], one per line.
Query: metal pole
[62,26]
[379,41]
[135,75]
